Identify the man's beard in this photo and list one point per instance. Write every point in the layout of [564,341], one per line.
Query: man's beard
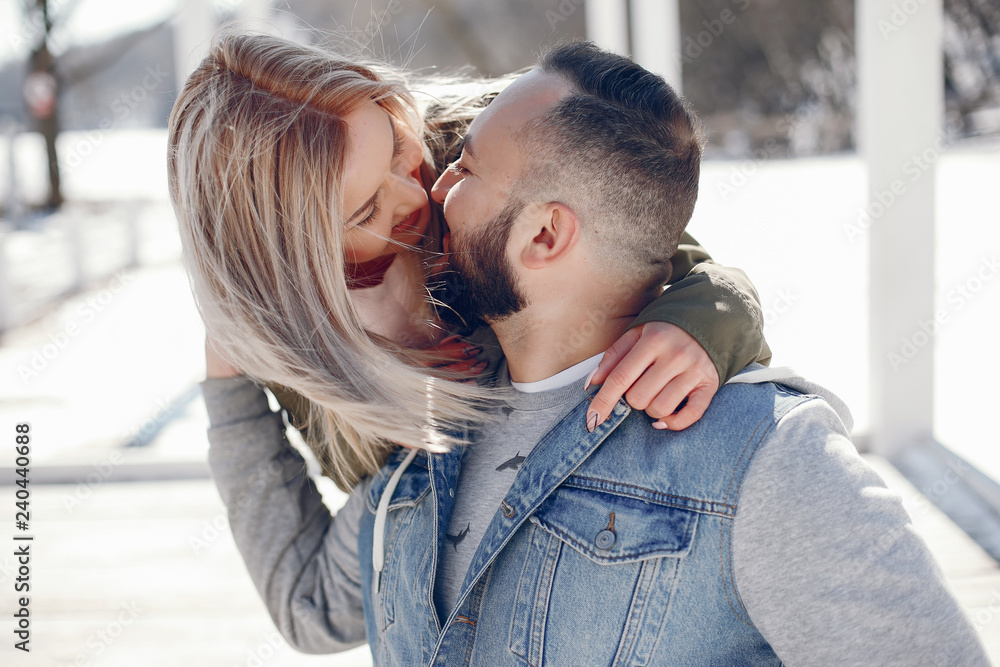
[486,290]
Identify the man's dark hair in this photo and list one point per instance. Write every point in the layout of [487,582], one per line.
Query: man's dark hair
[623,150]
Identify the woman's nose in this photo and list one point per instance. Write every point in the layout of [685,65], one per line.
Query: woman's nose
[443,185]
[410,192]
[412,154]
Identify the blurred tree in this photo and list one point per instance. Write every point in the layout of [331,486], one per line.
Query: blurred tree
[780,75]
[491,37]
[52,72]
[771,73]
[767,75]
[41,91]
[972,65]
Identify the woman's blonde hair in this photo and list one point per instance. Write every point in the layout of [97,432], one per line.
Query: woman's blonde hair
[257,144]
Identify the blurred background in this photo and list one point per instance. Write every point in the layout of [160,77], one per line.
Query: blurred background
[851,171]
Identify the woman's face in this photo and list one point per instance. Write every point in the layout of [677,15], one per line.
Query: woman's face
[384,198]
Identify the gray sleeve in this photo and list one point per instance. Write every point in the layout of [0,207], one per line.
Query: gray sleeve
[827,563]
[303,561]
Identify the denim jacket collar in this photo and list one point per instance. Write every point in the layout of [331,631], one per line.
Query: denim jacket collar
[554,458]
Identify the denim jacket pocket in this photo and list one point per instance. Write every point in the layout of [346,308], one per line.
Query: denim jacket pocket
[599,567]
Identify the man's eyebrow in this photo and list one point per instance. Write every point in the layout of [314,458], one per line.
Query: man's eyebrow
[466,147]
[368,204]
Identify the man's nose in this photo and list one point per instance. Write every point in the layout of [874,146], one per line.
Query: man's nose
[443,185]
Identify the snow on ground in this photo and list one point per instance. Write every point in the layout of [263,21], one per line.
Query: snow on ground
[784,222]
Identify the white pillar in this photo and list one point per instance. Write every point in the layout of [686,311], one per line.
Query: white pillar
[901,101]
[193,27]
[607,24]
[656,38]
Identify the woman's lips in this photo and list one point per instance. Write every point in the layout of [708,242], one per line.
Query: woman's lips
[409,224]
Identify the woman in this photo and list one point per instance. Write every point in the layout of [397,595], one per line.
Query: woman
[337,299]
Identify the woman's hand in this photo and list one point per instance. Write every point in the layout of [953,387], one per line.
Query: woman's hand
[657,367]
[459,357]
[215,365]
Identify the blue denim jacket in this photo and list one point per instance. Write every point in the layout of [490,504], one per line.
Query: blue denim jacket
[611,547]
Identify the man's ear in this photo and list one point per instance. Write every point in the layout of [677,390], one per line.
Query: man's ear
[556,231]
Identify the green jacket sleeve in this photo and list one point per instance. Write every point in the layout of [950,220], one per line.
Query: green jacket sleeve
[717,305]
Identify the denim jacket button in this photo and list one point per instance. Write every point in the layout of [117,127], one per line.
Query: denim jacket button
[605,539]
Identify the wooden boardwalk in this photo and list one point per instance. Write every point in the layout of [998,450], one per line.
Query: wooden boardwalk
[142,574]
[146,574]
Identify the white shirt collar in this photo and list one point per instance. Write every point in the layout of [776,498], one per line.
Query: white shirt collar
[562,378]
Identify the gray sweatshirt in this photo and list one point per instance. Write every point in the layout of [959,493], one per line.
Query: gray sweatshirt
[826,560]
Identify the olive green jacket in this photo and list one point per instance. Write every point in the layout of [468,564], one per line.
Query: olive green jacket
[717,305]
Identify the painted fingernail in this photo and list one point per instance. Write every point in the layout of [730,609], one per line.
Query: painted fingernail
[586,383]
[660,425]
[592,418]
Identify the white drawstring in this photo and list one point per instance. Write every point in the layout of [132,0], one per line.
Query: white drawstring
[378,539]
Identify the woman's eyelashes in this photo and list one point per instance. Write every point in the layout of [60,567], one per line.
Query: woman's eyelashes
[397,145]
[397,142]
[376,210]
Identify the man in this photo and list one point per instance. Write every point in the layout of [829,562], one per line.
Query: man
[756,536]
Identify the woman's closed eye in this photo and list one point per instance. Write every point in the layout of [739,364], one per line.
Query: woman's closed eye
[376,210]
[397,141]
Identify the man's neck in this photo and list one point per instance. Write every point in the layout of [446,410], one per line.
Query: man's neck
[540,342]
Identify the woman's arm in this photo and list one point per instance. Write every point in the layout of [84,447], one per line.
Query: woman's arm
[715,304]
[703,329]
[303,561]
